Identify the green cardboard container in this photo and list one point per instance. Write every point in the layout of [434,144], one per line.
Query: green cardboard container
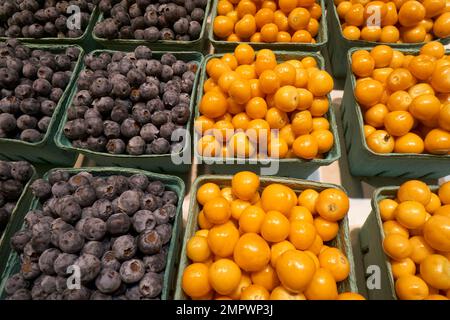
[21,207]
[9,260]
[365,162]
[297,168]
[338,45]
[371,238]
[44,151]
[161,45]
[84,40]
[160,163]
[227,46]
[342,240]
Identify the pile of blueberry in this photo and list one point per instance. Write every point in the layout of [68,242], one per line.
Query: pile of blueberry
[150,21]
[31,85]
[131,103]
[13,178]
[44,19]
[116,230]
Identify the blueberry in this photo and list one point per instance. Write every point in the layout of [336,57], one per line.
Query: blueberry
[143,220]
[111,129]
[102,209]
[136,146]
[42,87]
[15,283]
[29,269]
[20,239]
[109,261]
[116,146]
[75,112]
[89,266]
[48,284]
[135,78]
[21,294]
[71,241]
[156,188]
[41,189]
[130,128]
[129,202]
[124,247]
[149,242]
[75,129]
[33,217]
[108,281]
[170,98]
[166,73]
[118,224]
[60,79]
[119,114]
[61,189]
[45,73]
[78,180]
[48,107]
[21,171]
[85,195]
[141,114]
[156,262]
[30,253]
[170,197]
[119,182]
[149,132]
[166,130]
[26,122]
[154,68]
[165,232]
[138,181]
[47,260]
[77,294]
[106,191]
[171,209]
[94,248]
[159,118]
[94,229]
[181,26]
[7,122]
[97,295]
[68,209]
[58,175]
[58,227]
[151,285]
[160,146]
[101,87]
[96,143]
[131,271]
[104,105]
[198,14]
[148,91]
[161,216]
[195,28]
[134,293]
[23,91]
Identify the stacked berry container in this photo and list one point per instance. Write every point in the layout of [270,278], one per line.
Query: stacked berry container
[33,99]
[129,254]
[171,26]
[135,129]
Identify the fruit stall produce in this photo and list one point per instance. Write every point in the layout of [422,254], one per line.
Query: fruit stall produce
[224,150]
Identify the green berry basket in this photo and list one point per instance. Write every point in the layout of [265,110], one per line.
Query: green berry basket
[9,260]
[199,45]
[160,163]
[227,46]
[292,167]
[371,238]
[84,40]
[21,207]
[342,240]
[44,151]
[367,163]
[338,46]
